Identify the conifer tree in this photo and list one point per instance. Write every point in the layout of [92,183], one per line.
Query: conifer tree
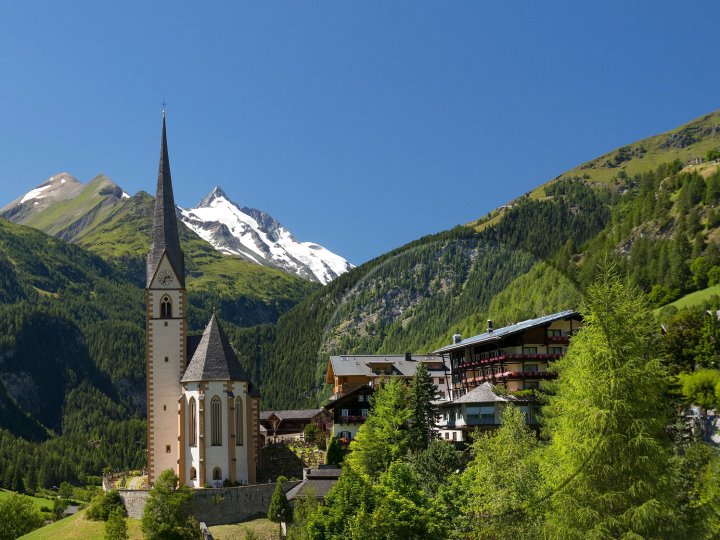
[423,417]
[279,509]
[116,526]
[383,437]
[609,463]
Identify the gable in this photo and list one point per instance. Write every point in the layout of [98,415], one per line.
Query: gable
[165,276]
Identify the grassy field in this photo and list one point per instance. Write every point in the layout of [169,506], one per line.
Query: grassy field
[78,528]
[264,529]
[37,501]
[696,298]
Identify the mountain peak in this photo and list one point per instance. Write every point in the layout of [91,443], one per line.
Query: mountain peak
[256,236]
[216,193]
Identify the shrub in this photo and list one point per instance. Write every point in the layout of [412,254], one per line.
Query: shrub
[103,504]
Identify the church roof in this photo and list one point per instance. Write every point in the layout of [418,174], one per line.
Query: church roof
[164,236]
[214,358]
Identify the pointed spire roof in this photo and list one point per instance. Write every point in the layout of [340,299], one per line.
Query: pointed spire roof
[164,236]
[214,358]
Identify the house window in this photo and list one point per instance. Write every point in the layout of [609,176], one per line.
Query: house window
[531,368]
[165,307]
[364,412]
[193,422]
[554,350]
[529,350]
[216,422]
[238,422]
[554,333]
[193,473]
[361,398]
[530,385]
[217,473]
[345,412]
[167,449]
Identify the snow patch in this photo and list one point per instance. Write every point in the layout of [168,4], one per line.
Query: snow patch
[124,195]
[34,194]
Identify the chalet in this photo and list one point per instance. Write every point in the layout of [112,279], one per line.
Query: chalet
[292,422]
[348,372]
[515,356]
[480,409]
[349,412]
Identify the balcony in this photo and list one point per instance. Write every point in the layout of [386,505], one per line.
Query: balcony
[506,358]
[352,419]
[512,375]
[563,340]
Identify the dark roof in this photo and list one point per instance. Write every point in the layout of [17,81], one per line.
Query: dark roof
[319,486]
[164,236]
[505,331]
[214,358]
[294,414]
[362,388]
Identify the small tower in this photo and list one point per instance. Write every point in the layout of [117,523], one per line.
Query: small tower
[220,415]
[166,326]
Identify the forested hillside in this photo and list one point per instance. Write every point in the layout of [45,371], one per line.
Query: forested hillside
[72,353]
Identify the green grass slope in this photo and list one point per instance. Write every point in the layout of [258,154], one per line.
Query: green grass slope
[69,218]
[689,141]
[78,527]
[696,298]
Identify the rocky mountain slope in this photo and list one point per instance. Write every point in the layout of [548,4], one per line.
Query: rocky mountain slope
[256,236]
[64,207]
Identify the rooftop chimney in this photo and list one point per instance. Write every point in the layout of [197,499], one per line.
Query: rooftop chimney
[408,356]
[457,338]
[490,326]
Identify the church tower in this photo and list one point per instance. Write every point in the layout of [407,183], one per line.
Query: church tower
[166,327]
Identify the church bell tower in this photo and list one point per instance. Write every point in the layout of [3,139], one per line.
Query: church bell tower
[166,326]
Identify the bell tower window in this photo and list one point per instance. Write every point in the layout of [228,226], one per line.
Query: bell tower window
[165,307]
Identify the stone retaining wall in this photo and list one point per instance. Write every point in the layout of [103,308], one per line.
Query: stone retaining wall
[215,506]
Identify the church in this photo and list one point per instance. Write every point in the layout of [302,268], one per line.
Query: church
[202,409]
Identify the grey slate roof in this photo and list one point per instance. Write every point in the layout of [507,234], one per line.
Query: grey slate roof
[320,487]
[295,414]
[164,235]
[505,331]
[214,358]
[345,365]
[479,394]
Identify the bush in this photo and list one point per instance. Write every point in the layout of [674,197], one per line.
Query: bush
[103,504]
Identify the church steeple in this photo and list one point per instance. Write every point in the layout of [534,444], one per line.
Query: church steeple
[164,238]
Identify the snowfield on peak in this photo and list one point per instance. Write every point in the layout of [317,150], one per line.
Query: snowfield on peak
[258,237]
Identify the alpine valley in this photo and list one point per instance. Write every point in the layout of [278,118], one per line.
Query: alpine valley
[72,273]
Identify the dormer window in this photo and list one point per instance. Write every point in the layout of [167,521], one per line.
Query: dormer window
[166,307]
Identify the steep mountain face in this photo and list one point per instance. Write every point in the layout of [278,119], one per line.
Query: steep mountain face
[66,208]
[256,236]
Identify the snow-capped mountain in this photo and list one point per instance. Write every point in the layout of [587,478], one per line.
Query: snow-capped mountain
[258,237]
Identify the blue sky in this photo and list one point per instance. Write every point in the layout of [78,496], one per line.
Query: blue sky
[358,125]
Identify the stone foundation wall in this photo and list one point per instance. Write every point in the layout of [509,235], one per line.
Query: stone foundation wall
[215,506]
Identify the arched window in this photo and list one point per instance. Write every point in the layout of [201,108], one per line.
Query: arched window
[193,473]
[238,421]
[165,307]
[193,422]
[216,422]
[217,473]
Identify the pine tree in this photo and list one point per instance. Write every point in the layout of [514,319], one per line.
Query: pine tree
[116,526]
[279,509]
[609,463]
[423,416]
[383,437]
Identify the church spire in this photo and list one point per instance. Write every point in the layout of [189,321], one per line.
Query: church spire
[164,236]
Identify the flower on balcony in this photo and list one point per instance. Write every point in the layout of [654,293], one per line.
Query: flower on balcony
[344,419]
[353,418]
[343,440]
[361,418]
